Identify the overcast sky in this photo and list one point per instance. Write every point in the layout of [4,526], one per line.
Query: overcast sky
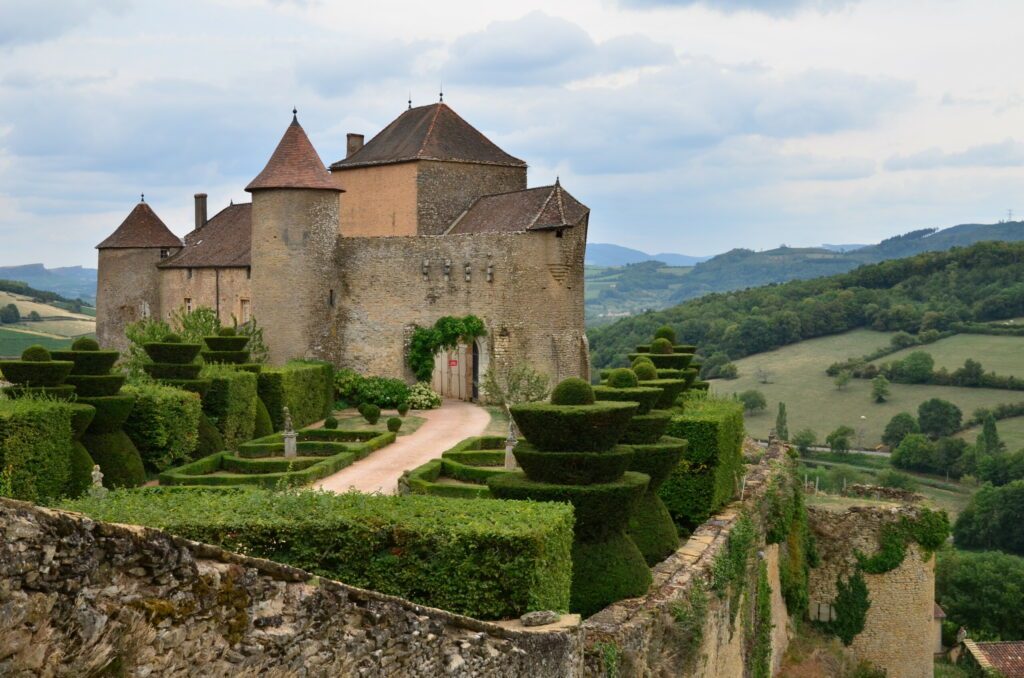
[686,125]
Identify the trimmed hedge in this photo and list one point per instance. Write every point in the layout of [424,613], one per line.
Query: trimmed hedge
[231,403]
[671,389]
[646,397]
[36,373]
[225,357]
[262,426]
[209,440]
[594,427]
[651,526]
[423,480]
[62,392]
[572,391]
[96,385]
[197,386]
[111,412]
[233,344]
[646,429]
[172,352]
[168,371]
[80,464]
[164,424]
[35,448]
[672,361]
[472,461]
[483,558]
[705,479]
[88,362]
[573,468]
[117,458]
[305,387]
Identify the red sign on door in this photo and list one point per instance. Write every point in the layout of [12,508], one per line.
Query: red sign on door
[453,363]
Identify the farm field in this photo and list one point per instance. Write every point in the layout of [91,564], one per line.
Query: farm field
[796,376]
[56,329]
[26,306]
[1002,355]
[13,342]
[1011,432]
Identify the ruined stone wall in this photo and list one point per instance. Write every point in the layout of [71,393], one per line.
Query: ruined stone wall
[446,189]
[127,289]
[898,634]
[221,289]
[532,305]
[294,232]
[82,598]
[378,200]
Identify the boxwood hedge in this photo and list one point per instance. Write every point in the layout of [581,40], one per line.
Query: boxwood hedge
[483,558]
[164,424]
[306,387]
[35,447]
[593,427]
[231,403]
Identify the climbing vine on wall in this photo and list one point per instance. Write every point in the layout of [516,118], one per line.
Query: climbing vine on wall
[787,525]
[851,608]
[446,333]
[761,650]
[929,530]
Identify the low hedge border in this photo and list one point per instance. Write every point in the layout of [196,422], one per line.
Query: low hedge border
[478,451]
[472,460]
[318,439]
[423,480]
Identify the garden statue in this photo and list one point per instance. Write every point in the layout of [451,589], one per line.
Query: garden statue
[290,446]
[97,490]
[510,444]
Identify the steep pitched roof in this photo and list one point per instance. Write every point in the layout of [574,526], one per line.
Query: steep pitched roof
[535,209]
[1006,657]
[294,164]
[225,241]
[433,132]
[141,228]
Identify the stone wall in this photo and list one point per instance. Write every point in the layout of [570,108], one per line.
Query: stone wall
[898,634]
[85,598]
[127,289]
[378,200]
[446,189]
[221,289]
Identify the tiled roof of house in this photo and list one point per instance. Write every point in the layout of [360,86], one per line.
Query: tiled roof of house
[294,164]
[938,612]
[225,241]
[1006,657]
[433,132]
[534,209]
[141,228]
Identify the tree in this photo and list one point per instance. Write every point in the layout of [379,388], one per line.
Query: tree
[988,441]
[514,384]
[915,452]
[981,591]
[971,374]
[993,519]
[781,427]
[842,379]
[937,417]
[9,314]
[34,316]
[753,401]
[839,439]
[763,375]
[916,368]
[902,340]
[893,478]
[880,389]
[804,439]
[1000,469]
[898,428]
[950,456]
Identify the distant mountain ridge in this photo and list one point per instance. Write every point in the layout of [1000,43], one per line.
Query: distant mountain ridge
[606,254]
[73,282]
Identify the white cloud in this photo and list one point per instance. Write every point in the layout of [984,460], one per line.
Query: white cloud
[1006,153]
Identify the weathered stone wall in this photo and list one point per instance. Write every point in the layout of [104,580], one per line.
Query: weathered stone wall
[294,233]
[378,200]
[446,189]
[221,289]
[127,289]
[532,305]
[81,598]
[898,634]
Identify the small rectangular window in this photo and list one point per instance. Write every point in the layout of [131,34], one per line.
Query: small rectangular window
[248,272]
[188,303]
[330,298]
[189,274]
[164,253]
[246,311]
[558,233]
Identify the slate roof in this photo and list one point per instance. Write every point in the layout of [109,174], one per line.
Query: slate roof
[225,241]
[141,228]
[294,164]
[1006,657]
[433,132]
[534,209]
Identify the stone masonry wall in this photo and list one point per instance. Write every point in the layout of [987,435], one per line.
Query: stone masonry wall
[446,189]
[127,288]
[378,200]
[81,598]
[898,634]
[222,289]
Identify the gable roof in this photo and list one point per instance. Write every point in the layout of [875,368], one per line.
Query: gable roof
[433,132]
[294,164]
[1006,657]
[534,209]
[141,228]
[225,241]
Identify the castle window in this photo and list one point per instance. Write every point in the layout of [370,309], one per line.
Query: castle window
[164,252]
[248,272]
[246,310]
[188,302]
[189,274]
[558,233]
[330,298]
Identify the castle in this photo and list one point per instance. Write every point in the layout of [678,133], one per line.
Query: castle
[429,218]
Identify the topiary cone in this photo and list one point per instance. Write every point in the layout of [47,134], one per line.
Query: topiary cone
[651,526]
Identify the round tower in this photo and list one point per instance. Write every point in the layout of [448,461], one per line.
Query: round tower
[294,230]
[128,281]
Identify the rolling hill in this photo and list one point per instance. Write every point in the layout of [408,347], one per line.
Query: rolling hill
[73,282]
[605,254]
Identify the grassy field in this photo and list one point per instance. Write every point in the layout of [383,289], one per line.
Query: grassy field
[13,342]
[1011,432]
[796,376]
[55,329]
[350,420]
[1002,355]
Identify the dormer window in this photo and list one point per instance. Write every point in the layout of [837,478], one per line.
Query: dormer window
[165,252]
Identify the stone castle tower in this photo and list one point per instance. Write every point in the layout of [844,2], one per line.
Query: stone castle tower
[429,218]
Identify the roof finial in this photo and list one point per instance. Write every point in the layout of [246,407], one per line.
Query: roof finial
[558,180]
[295,114]
[410,100]
[142,197]
[442,93]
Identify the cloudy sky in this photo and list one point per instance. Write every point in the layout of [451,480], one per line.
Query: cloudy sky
[692,126]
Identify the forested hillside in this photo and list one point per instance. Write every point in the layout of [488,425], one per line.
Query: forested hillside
[934,290]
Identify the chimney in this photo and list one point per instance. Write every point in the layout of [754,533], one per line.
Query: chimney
[355,142]
[200,210]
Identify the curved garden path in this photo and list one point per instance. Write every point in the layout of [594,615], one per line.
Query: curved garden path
[380,471]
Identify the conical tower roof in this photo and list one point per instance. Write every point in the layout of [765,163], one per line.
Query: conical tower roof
[294,164]
[141,228]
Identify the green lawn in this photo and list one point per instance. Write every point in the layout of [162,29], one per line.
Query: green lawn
[350,420]
[796,376]
[1002,355]
[1011,431]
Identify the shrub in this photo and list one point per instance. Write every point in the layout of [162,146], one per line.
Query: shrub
[95,385]
[839,439]
[164,424]
[330,423]
[622,377]
[898,428]
[171,338]
[706,477]
[892,478]
[370,412]
[667,333]
[35,354]
[753,401]
[394,424]
[651,526]
[518,383]
[305,387]
[483,558]
[111,412]
[346,385]
[80,464]
[938,417]
[85,344]
[422,397]
[45,374]
[641,360]
[646,429]
[226,332]
[914,452]
[35,444]
[584,428]
[573,391]
[645,371]
[172,352]
[263,426]
[383,392]
[210,441]
[231,403]
[403,409]
[992,519]
[661,347]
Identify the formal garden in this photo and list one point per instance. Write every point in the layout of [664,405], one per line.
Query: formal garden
[194,433]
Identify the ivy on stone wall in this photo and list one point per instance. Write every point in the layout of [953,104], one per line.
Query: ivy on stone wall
[851,608]
[760,656]
[929,530]
[446,334]
[729,568]
[690,615]
[786,525]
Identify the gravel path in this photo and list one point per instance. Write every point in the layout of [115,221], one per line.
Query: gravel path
[380,471]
